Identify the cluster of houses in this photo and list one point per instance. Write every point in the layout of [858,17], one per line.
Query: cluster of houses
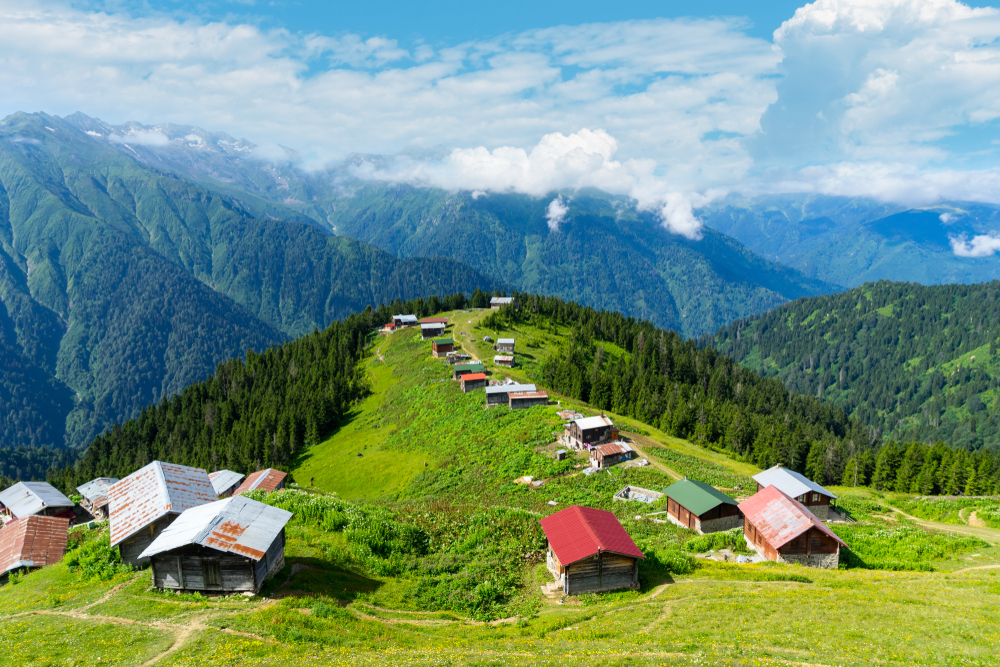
[195,530]
[599,437]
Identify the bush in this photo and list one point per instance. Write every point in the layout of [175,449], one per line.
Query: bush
[96,560]
[899,547]
[728,539]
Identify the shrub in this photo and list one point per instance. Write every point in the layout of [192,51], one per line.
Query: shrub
[728,539]
[96,560]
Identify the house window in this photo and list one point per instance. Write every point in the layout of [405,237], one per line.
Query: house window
[815,498]
[212,574]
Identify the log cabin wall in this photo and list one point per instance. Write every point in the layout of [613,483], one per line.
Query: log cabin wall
[197,568]
[603,572]
[131,547]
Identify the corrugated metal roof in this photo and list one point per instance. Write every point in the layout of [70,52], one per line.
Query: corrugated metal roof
[528,394]
[27,498]
[473,376]
[443,341]
[505,341]
[34,541]
[96,489]
[434,320]
[611,448]
[235,525]
[578,532]
[588,423]
[501,300]
[780,518]
[408,319]
[223,480]
[789,482]
[154,491]
[510,388]
[501,357]
[431,325]
[263,480]
[697,497]
[476,366]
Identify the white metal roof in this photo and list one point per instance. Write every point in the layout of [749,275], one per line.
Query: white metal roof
[510,388]
[789,482]
[593,422]
[235,525]
[96,489]
[27,498]
[405,318]
[505,341]
[224,479]
[502,299]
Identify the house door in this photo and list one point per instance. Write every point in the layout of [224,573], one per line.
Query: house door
[212,573]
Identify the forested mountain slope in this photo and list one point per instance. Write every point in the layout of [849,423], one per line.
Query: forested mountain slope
[917,362]
[121,284]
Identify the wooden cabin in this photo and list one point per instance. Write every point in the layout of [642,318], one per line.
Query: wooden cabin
[225,482]
[442,347]
[434,320]
[462,369]
[268,480]
[403,321]
[589,551]
[228,546]
[503,360]
[797,486]
[609,454]
[26,499]
[527,399]
[94,496]
[499,394]
[589,431]
[782,529]
[500,301]
[458,358]
[150,499]
[431,330]
[32,542]
[701,507]
[473,381]
[505,345]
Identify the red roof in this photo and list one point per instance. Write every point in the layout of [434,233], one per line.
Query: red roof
[34,541]
[473,376]
[781,519]
[578,532]
[263,480]
[434,320]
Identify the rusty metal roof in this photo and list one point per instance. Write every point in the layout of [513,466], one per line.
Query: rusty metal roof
[223,480]
[34,541]
[611,448]
[790,482]
[780,519]
[434,320]
[510,388]
[235,525]
[264,480]
[502,357]
[27,498]
[528,394]
[155,491]
[578,532]
[96,489]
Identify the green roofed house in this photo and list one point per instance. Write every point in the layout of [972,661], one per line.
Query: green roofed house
[442,346]
[701,507]
[462,369]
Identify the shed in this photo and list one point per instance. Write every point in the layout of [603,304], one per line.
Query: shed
[148,500]
[434,320]
[41,498]
[431,330]
[782,529]
[498,394]
[231,545]
[471,381]
[527,399]
[504,360]
[501,301]
[225,482]
[504,345]
[797,486]
[589,431]
[404,321]
[462,369]
[32,542]
[589,551]
[701,507]
[609,454]
[442,347]
[268,480]
[94,496]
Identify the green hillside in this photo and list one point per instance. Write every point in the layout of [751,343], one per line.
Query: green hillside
[917,363]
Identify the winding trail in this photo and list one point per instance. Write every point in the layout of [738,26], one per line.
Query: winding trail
[990,535]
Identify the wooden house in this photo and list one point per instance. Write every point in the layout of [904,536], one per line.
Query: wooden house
[500,301]
[527,399]
[462,369]
[231,545]
[458,358]
[589,551]
[472,381]
[149,500]
[782,529]
[503,360]
[499,394]
[94,496]
[431,330]
[442,347]
[403,321]
[797,486]
[268,480]
[609,454]
[590,431]
[36,498]
[32,542]
[225,482]
[504,345]
[434,320]
[701,507]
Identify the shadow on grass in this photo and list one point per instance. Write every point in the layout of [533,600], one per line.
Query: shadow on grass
[316,577]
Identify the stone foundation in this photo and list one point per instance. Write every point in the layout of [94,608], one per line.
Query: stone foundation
[718,525]
[824,561]
[822,512]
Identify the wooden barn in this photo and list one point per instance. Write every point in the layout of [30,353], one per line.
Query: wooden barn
[268,480]
[782,529]
[442,347]
[500,301]
[590,431]
[609,454]
[462,369]
[503,360]
[505,345]
[35,498]
[228,546]
[403,321]
[797,486]
[701,507]
[499,394]
[431,330]
[149,500]
[589,551]
[527,399]
[94,496]
[32,542]
[225,482]
[473,381]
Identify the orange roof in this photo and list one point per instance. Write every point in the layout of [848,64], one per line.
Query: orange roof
[473,376]
[34,541]
[264,480]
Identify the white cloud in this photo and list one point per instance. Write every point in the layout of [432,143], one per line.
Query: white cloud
[946,218]
[556,212]
[983,245]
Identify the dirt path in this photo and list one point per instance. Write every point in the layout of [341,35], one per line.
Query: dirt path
[977,567]
[668,610]
[990,535]
[180,637]
[976,522]
[640,443]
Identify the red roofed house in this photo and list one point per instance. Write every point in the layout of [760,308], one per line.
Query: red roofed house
[589,551]
[781,529]
[471,381]
[263,480]
[34,541]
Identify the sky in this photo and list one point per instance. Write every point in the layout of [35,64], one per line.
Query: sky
[673,104]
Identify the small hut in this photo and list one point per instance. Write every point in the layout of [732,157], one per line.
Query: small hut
[225,482]
[701,507]
[609,454]
[431,330]
[527,399]
[462,369]
[505,345]
[228,546]
[797,486]
[442,347]
[268,480]
[500,301]
[782,529]
[94,496]
[499,394]
[472,381]
[32,542]
[589,431]
[36,498]
[503,360]
[589,551]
